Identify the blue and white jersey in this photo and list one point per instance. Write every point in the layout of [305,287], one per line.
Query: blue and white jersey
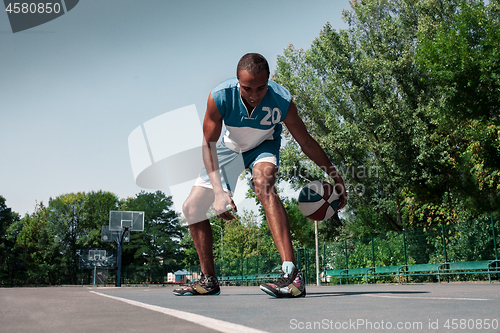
[244,131]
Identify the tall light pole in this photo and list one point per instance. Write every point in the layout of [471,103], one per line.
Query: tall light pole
[221,241]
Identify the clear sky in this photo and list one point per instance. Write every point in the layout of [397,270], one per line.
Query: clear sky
[73,89]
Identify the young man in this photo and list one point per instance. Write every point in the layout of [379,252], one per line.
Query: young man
[252,109]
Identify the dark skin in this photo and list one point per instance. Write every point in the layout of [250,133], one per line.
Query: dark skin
[253,89]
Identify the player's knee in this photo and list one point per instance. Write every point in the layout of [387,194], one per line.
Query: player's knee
[193,212]
[188,209]
[264,186]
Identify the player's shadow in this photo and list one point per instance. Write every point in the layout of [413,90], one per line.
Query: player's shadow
[357,293]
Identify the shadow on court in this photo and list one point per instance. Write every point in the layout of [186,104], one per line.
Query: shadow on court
[353,293]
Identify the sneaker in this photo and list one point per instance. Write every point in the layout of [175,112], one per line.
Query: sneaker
[207,285]
[287,286]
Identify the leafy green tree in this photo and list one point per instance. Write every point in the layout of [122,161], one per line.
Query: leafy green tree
[162,231]
[66,217]
[368,98]
[41,248]
[190,256]
[358,95]
[219,234]
[15,260]
[459,57]
[8,254]
[96,208]
[227,238]
[301,228]
[5,221]
[240,239]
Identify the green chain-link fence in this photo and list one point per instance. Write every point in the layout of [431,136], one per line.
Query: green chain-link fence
[465,241]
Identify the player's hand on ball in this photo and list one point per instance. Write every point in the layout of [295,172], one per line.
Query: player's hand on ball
[222,204]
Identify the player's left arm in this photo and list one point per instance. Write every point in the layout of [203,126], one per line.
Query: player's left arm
[313,150]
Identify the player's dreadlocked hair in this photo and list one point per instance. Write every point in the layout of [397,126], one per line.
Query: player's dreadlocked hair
[253,63]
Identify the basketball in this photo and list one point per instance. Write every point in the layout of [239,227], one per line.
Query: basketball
[318,200]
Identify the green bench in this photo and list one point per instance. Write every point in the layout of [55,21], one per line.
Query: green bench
[340,274]
[389,271]
[437,269]
[359,272]
[225,280]
[423,269]
[397,271]
[250,277]
[258,277]
[329,274]
[267,277]
[473,267]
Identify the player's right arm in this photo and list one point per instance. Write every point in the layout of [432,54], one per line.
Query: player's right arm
[212,127]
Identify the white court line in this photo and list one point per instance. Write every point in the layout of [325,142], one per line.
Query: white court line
[434,298]
[215,324]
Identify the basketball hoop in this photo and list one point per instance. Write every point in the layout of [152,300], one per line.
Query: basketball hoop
[121,223]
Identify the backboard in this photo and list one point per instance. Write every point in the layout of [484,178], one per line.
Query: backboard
[90,258]
[114,236]
[97,254]
[131,220]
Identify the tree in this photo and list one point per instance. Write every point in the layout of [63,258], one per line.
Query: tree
[366,100]
[66,218]
[96,208]
[301,228]
[41,248]
[352,91]
[190,256]
[459,57]
[240,239]
[8,254]
[162,231]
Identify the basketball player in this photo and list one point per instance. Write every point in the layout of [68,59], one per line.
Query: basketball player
[252,109]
